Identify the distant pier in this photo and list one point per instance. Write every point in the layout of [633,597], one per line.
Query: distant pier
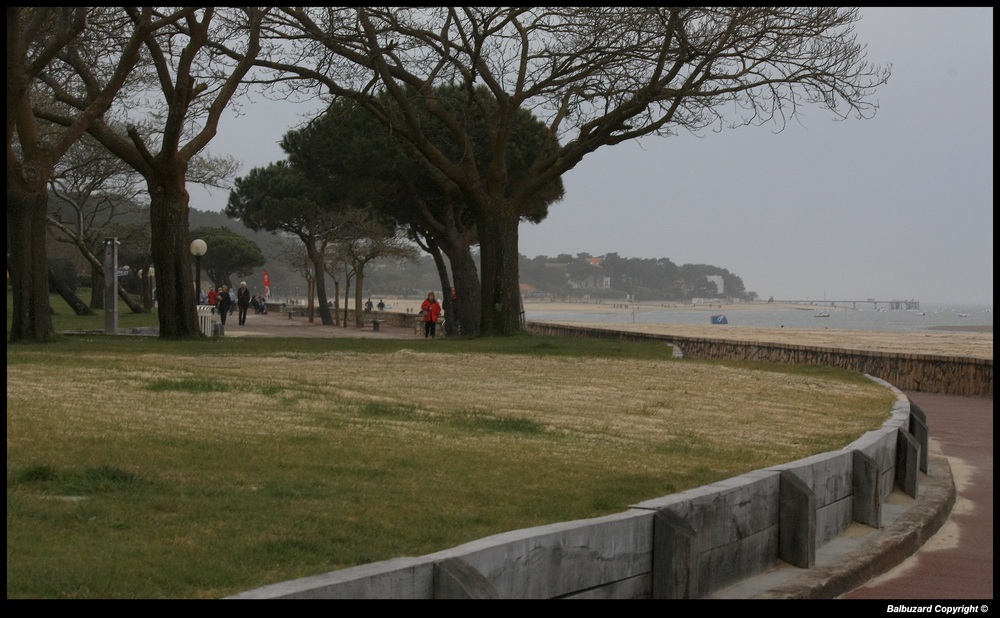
[893,305]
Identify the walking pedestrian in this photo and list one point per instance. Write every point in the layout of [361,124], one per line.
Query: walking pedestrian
[243,301]
[431,310]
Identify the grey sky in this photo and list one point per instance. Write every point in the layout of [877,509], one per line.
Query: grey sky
[896,207]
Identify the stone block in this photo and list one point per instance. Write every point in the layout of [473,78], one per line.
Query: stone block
[907,462]
[866,482]
[454,578]
[796,522]
[675,572]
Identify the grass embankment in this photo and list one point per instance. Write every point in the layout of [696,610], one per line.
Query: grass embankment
[145,468]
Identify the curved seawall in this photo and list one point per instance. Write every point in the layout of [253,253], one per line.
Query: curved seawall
[692,544]
[951,375]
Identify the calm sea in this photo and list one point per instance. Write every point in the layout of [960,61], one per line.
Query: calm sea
[863,318]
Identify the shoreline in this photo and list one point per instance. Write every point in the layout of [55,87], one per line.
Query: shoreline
[963,344]
[966,340]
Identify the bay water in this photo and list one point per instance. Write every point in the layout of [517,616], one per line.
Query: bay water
[928,317]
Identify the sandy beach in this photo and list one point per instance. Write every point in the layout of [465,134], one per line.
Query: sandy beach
[973,341]
[967,341]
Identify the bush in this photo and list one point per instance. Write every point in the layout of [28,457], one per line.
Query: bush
[65,273]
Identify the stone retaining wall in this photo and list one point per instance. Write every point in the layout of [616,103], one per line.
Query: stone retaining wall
[685,545]
[952,375]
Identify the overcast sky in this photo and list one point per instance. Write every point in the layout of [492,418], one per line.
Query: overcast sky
[896,207]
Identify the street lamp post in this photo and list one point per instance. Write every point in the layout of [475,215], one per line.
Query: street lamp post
[151,286]
[198,249]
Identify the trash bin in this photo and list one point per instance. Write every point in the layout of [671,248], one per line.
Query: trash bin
[375,325]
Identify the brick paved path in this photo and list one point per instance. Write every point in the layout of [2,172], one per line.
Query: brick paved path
[957,562]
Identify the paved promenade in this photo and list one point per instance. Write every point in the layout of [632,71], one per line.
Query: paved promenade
[943,552]
[957,562]
[280,325]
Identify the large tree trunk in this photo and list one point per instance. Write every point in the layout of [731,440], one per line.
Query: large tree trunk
[168,213]
[96,288]
[359,315]
[347,295]
[462,314]
[467,307]
[501,296]
[147,289]
[325,315]
[336,301]
[27,206]
[78,306]
[134,307]
[97,273]
[446,302]
[311,298]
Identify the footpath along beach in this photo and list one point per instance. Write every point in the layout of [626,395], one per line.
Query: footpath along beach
[968,340]
[956,560]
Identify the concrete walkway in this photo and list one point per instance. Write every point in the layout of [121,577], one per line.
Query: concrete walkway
[937,546]
[957,562]
[280,325]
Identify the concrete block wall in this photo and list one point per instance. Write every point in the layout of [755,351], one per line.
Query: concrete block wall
[968,377]
[684,545]
[736,535]
[559,560]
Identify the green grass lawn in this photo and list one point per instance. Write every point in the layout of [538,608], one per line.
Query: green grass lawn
[142,468]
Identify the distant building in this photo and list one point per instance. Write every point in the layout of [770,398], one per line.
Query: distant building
[529,291]
[602,282]
[720,284]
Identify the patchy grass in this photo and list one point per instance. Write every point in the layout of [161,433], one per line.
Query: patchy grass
[144,468]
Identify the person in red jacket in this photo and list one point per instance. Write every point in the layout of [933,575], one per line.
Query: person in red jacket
[431,310]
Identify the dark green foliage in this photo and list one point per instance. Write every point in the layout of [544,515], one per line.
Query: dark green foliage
[90,480]
[614,277]
[388,410]
[229,253]
[286,281]
[352,157]
[488,423]
[193,385]
[65,272]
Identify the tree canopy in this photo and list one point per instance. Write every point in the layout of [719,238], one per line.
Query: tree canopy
[228,254]
[614,277]
[348,147]
[283,198]
[164,119]
[596,76]
[70,61]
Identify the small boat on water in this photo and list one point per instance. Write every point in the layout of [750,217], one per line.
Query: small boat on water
[719,319]
[963,315]
[822,314]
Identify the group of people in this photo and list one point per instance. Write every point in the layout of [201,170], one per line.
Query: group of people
[227,300]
